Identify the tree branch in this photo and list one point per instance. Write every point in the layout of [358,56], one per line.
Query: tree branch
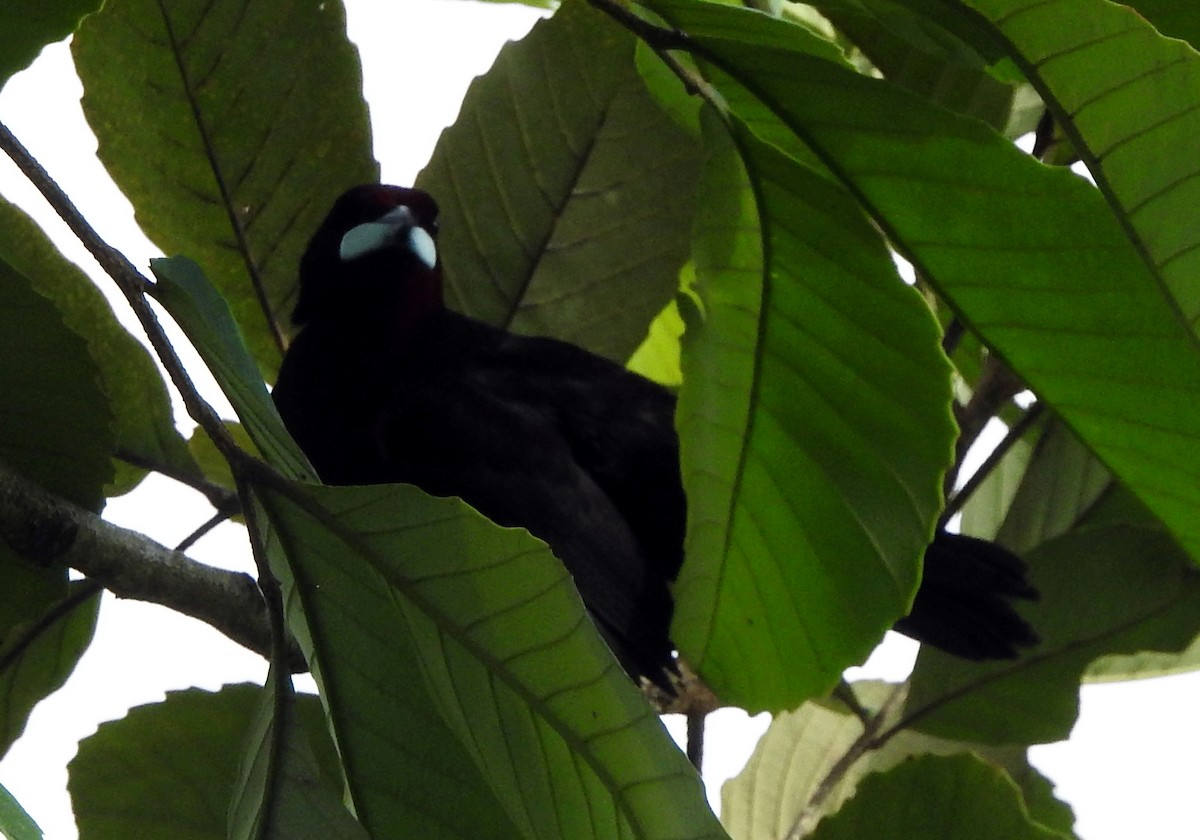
[132,565]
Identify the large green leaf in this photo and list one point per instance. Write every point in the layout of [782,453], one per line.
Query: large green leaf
[231,128]
[28,25]
[936,797]
[1032,258]
[403,764]
[566,194]
[564,741]
[36,657]
[815,429]
[145,425]
[167,770]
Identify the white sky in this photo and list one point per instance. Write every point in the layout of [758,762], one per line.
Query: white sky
[1129,768]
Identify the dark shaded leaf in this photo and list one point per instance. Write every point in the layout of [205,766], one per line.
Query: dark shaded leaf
[566,194]
[37,657]
[279,791]
[167,770]
[145,425]
[231,128]
[208,322]
[28,25]
[55,420]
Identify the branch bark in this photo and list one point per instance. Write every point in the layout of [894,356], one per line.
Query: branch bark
[44,528]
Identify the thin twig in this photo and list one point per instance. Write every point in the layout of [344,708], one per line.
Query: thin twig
[656,37]
[955,331]
[220,497]
[980,475]
[869,740]
[995,387]
[663,42]
[192,538]
[846,696]
[695,738]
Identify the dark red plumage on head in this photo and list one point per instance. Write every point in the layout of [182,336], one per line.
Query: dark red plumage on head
[332,285]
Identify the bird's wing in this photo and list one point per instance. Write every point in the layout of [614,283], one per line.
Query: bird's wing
[620,428]
[510,460]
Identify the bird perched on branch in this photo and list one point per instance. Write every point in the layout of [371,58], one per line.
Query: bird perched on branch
[385,384]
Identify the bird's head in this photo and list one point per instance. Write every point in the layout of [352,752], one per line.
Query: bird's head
[376,246]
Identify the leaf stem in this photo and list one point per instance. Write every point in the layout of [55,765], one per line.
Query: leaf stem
[1015,433]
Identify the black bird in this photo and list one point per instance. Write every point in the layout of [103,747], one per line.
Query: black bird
[384,384]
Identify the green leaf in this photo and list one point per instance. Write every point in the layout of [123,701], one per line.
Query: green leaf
[28,25]
[814,428]
[658,356]
[212,463]
[37,657]
[1031,257]
[1141,593]
[788,765]
[566,196]
[231,128]
[1146,664]
[403,765]
[386,575]
[1064,487]
[1127,98]
[167,770]
[15,824]
[936,797]
[920,56]
[55,420]
[208,322]
[277,793]
[793,761]
[145,424]
[29,588]
[1171,18]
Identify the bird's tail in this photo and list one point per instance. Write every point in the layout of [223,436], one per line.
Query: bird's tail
[964,605]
